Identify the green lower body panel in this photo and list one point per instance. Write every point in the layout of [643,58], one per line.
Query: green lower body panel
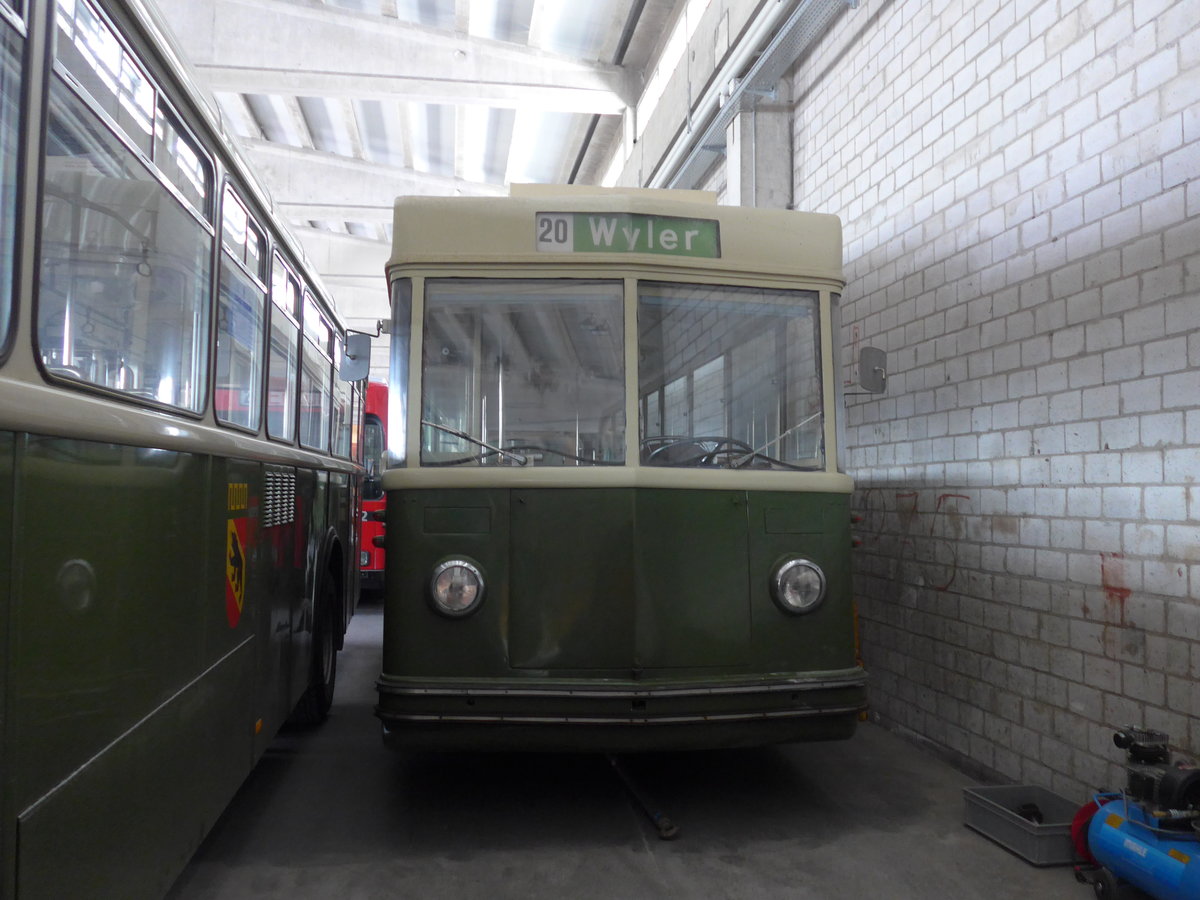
[617,619]
[126,823]
[618,717]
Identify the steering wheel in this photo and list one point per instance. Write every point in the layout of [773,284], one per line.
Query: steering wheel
[726,447]
[675,453]
[688,451]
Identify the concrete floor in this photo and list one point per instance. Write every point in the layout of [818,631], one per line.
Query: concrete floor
[330,813]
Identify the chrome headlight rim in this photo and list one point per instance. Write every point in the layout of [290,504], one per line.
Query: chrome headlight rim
[790,567]
[435,593]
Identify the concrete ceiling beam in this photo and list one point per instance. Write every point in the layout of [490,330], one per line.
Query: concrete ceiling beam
[312,184]
[306,48]
[342,256]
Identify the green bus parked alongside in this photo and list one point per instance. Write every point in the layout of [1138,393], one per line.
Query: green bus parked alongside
[179,482]
[616,519]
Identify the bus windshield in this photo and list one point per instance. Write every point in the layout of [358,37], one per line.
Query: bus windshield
[729,377]
[527,372]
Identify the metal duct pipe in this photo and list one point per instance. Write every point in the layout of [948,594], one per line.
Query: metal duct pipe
[775,41]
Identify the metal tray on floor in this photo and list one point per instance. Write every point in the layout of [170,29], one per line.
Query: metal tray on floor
[1005,814]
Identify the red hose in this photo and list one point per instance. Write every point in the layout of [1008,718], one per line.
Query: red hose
[1079,829]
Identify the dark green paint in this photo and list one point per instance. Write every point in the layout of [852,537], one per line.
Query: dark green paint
[436,644]
[621,738]
[572,594]
[820,640]
[632,590]
[458,520]
[148,785]
[345,505]
[312,504]
[90,660]
[790,518]
[7,780]
[692,579]
[130,702]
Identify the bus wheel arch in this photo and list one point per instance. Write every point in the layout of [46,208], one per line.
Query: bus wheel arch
[335,569]
[327,639]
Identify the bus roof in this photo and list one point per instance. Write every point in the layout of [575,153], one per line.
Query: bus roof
[584,227]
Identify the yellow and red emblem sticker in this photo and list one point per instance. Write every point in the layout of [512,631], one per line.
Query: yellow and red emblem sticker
[235,555]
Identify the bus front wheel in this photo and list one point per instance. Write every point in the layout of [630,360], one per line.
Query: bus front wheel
[314,705]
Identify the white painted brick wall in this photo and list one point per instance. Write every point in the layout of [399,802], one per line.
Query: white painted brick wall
[1019,183]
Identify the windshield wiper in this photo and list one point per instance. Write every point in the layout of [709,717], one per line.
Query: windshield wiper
[533,448]
[461,435]
[741,461]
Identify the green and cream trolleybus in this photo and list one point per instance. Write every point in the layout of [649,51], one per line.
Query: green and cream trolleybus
[615,514]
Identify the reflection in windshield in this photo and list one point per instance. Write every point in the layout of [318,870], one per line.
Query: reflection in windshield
[523,372]
[373,450]
[125,267]
[488,449]
[730,377]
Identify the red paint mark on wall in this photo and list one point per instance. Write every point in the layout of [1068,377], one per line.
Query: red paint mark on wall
[942,498]
[926,541]
[906,506]
[946,527]
[1112,577]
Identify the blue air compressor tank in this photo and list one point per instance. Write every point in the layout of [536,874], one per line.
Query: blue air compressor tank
[1165,863]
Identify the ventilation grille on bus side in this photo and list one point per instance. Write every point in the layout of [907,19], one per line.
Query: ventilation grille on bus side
[279,500]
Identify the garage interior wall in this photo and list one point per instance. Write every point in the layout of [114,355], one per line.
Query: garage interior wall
[1019,183]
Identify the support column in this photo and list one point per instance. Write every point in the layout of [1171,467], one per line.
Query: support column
[759,152]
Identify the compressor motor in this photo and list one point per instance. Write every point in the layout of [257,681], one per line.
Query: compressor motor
[1149,835]
[1170,791]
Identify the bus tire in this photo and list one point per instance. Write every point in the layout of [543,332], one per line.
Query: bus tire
[314,705]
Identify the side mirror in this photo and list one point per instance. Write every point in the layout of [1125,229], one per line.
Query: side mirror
[356,358]
[872,370]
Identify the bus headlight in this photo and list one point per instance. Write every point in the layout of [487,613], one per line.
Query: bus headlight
[456,587]
[798,586]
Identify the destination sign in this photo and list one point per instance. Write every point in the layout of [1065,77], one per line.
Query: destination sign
[627,233]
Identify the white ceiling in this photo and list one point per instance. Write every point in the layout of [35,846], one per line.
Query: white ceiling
[342,105]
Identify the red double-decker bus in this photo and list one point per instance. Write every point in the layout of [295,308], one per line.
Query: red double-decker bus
[374,446]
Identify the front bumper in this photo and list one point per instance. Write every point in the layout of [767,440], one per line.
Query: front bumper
[619,716]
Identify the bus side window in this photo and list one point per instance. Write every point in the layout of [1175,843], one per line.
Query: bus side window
[281,365]
[343,400]
[11,50]
[316,373]
[180,162]
[123,301]
[241,305]
[108,73]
